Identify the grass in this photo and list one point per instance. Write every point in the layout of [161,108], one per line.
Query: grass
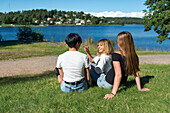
[41,93]
[30,50]
[17,51]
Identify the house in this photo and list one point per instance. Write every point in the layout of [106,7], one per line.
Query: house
[61,20]
[77,20]
[58,22]
[51,22]
[55,16]
[66,15]
[69,21]
[74,14]
[48,19]
[110,22]
[84,14]
[36,21]
[78,23]
[88,20]
[82,21]
[100,22]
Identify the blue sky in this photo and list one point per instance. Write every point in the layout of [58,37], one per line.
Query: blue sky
[96,7]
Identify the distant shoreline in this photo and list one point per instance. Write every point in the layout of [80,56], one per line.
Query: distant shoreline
[62,25]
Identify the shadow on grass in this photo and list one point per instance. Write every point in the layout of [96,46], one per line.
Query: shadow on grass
[50,74]
[144,80]
[25,78]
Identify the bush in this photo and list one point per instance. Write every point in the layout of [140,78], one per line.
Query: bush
[113,43]
[26,33]
[89,41]
[1,38]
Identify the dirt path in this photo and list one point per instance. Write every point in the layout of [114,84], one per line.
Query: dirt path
[37,65]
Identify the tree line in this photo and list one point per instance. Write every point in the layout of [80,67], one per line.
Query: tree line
[44,17]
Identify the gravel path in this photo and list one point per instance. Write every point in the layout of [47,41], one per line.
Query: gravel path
[38,65]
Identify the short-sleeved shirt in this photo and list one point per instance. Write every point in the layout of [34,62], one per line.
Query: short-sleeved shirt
[111,74]
[103,63]
[73,64]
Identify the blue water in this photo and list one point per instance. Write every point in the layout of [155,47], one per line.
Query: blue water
[143,40]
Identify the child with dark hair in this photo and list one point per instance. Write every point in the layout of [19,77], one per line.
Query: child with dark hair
[73,66]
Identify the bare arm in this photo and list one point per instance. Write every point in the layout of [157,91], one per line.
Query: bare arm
[117,79]
[61,74]
[87,72]
[137,79]
[86,48]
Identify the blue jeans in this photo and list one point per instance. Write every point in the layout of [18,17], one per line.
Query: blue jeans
[101,82]
[94,76]
[68,88]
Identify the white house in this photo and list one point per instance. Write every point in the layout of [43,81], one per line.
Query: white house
[82,21]
[48,19]
[36,21]
[77,20]
[58,22]
[88,20]
[78,23]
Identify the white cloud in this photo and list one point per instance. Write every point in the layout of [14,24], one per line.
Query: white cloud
[117,14]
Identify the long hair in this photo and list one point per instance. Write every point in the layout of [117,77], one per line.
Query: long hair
[127,47]
[108,48]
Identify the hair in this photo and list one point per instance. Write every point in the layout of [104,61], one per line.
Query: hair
[108,48]
[72,39]
[127,47]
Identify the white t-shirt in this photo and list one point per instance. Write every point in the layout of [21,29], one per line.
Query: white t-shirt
[73,64]
[103,63]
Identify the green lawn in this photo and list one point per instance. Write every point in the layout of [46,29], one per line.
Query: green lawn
[16,51]
[41,93]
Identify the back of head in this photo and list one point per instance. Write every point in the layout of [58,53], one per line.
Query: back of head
[126,46]
[108,48]
[72,39]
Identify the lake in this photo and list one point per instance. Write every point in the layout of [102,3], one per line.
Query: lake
[143,40]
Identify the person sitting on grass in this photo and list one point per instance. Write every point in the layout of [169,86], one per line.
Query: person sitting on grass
[101,64]
[73,66]
[125,62]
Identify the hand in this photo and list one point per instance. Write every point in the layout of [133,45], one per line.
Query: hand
[86,48]
[89,82]
[109,96]
[144,89]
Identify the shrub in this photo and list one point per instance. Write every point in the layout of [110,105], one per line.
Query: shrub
[1,38]
[26,33]
[113,43]
[89,41]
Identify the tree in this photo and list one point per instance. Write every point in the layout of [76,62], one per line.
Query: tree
[26,33]
[157,16]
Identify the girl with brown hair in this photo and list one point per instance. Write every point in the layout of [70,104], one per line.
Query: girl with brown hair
[125,63]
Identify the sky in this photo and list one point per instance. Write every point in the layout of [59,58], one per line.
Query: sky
[107,8]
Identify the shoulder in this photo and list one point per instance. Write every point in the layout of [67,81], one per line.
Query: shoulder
[63,54]
[116,56]
[81,54]
[104,56]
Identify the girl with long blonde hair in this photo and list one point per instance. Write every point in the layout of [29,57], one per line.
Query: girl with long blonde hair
[101,64]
